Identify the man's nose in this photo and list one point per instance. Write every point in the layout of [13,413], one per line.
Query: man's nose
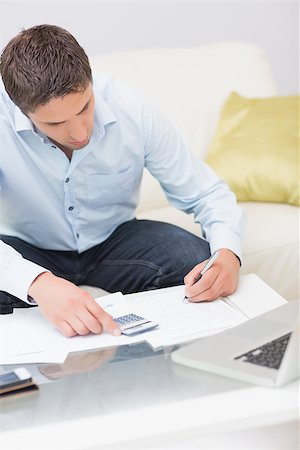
[78,131]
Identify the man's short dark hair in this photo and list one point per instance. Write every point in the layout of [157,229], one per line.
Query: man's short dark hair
[42,63]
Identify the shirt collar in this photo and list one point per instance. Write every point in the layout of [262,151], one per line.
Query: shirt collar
[104,114]
[22,122]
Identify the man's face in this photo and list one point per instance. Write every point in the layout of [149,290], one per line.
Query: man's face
[67,121]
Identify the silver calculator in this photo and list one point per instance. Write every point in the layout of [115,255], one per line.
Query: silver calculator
[132,324]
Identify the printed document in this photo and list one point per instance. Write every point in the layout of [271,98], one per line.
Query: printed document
[182,321]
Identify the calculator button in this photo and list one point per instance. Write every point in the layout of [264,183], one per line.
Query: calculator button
[129,318]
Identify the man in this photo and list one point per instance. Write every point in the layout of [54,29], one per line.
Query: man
[73,149]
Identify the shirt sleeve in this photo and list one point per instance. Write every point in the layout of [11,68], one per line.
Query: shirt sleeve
[17,273]
[191,185]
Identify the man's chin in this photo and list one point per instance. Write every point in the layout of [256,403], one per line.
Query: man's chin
[78,145]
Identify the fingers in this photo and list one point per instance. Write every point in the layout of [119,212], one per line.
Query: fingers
[72,327]
[87,318]
[69,308]
[87,323]
[207,288]
[220,280]
[191,277]
[92,324]
[91,318]
[102,317]
[66,329]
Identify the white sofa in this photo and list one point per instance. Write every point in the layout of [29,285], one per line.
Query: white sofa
[190,86]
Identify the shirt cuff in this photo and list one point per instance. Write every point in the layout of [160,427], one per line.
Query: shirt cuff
[19,277]
[226,239]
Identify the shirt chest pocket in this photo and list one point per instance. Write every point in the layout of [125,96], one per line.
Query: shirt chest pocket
[104,189]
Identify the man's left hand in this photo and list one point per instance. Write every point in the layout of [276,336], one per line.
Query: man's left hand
[219,281]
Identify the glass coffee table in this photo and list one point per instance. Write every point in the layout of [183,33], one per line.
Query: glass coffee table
[129,396]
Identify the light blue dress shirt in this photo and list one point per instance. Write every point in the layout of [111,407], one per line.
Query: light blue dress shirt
[57,204]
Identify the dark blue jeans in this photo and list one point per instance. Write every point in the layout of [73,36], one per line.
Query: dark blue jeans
[139,255]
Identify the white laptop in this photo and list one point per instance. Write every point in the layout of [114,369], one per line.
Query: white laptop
[264,350]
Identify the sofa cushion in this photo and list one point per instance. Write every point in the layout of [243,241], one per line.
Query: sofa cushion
[259,139]
[271,244]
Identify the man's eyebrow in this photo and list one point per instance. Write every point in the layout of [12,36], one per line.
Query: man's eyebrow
[58,123]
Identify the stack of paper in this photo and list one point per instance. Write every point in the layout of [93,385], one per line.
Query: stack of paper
[27,337]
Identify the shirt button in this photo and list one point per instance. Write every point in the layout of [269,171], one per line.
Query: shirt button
[71,208]
[77,235]
[67,180]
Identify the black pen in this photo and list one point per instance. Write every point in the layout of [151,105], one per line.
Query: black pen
[205,268]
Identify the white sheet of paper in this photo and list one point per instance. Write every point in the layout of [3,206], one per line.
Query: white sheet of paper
[38,357]
[180,321]
[254,296]
[26,336]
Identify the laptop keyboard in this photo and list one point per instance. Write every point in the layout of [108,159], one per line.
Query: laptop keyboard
[268,355]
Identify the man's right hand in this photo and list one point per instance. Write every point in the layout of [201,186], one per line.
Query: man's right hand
[71,310]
